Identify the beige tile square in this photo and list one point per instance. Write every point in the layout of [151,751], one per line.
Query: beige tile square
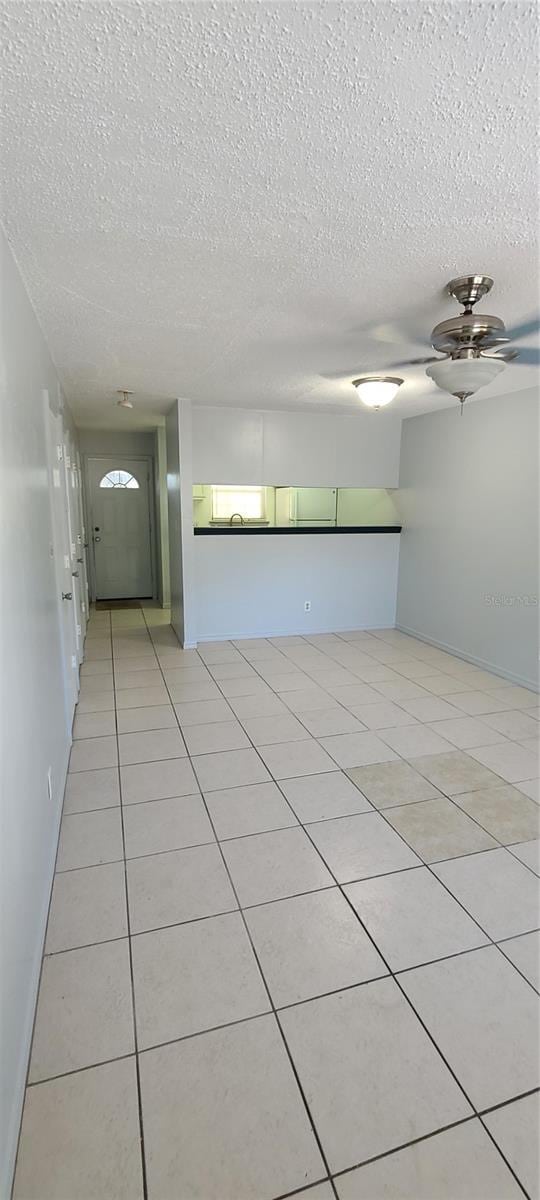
[182,885]
[357,749]
[87,905]
[515,1129]
[494,1057]
[516,725]
[91,753]
[151,746]
[360,846]
[458,1164]
[191,693]
[531,788]
[478,703]
[388,784]
[94,725]
[211,1128]
[498,891]
[89,790]
[412,918]
[267,705]
[157,780]
[308,699]
[311,944]
[506,813]
[319,797]
[515,697]
[269,866]
[89,838]
[94,701]
[166,825]
[232,768]
[218,735]
[142,697]
[429,708]
[157,716]
[396,689]
[80,1137]
[202,712]
[146,663]
[373,1078]
[84,1013]
[354,694]
[455,772]
[465,732]
[327,721]
[256,808]
[444,685]
[125,680]
[385,715]
[437,829]
[194,977]
[412,741]
[512,762]
[266,731]
[289,759]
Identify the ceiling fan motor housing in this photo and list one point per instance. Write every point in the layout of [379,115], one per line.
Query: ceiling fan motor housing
[469,333]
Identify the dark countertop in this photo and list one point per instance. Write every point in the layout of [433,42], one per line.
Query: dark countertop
[269,530]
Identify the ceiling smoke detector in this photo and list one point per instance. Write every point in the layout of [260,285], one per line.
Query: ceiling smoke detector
[124,401]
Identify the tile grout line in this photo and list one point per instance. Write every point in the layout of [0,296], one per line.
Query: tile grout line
[130,954]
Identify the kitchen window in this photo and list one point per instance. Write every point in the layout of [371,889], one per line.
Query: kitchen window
[246,502]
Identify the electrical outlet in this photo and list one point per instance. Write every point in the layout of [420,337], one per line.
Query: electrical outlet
[307,605]
[49,783]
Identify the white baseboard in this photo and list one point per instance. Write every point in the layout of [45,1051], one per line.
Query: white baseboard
[484,663]
[12,1137]
[275,633]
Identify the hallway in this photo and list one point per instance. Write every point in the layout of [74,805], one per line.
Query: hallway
[293,928]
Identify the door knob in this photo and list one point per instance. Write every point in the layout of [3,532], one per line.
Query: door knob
[75,574]
[67,595]
[97,539]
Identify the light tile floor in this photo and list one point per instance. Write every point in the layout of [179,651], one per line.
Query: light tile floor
[293,938]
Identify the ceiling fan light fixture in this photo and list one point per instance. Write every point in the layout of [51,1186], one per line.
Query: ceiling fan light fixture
[376,391]
[464,376]
[124,401]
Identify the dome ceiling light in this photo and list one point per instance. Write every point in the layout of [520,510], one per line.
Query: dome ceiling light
[377,390]
[124,401]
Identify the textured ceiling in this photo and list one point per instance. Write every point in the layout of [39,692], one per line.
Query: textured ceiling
[231,201]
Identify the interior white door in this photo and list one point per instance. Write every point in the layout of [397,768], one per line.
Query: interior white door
[62,560]
[119,491]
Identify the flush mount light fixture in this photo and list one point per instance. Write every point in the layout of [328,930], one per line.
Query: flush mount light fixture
[464,376]
[124,401]
[377,390]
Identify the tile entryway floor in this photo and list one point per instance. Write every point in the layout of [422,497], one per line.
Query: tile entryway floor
[293,937]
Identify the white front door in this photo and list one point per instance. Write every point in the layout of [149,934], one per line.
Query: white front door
[120,516]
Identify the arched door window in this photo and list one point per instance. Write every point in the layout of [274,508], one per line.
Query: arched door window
[118,479]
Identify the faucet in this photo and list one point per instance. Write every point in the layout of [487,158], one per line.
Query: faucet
[233,515]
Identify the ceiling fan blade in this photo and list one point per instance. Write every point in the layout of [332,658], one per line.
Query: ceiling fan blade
[529,356]
[505,355]
[524,330]
[417,362]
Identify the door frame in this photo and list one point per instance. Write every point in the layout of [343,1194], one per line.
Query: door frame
[67,621]
[87,501]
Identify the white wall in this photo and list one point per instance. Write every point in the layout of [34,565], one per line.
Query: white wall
[162,517]
[257,584]
[180,519]
[33,723]
[469,501]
